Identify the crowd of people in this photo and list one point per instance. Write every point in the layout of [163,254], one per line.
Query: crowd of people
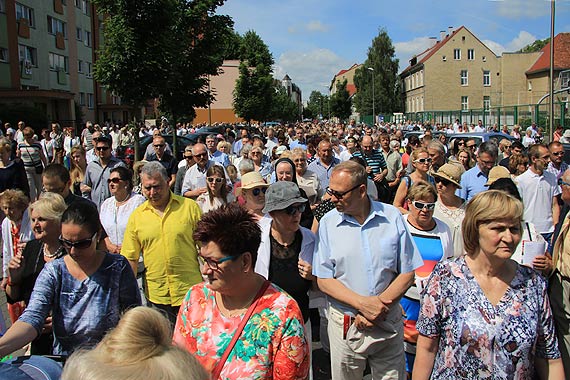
[413,254]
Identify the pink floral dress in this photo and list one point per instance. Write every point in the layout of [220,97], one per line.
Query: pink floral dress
[478,340]
[272,344]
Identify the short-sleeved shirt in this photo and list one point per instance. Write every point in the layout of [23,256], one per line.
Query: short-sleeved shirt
[375,161]
[472,183]
[168,249]
[323,173]
[538,192]
[271,346]
[478,340]
[96,177]
[365,258]
[169,162]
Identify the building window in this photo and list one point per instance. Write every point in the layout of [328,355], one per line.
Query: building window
[471,54]
[90,102]
[3,54]
[457,54]
[81,98]
[28,54]
[79,34]
[85,7]
[57,62]
[80,66]
[115,99]
[486,78]
[87,40]
[88,72]
[564,79]
[464,78]
[486,102]
[25,12]
[2,6]
[56,26]
[464,102]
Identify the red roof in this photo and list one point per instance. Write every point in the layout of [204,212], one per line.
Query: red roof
[561,55]
[341,72]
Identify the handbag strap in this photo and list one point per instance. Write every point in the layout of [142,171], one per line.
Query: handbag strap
[218,369]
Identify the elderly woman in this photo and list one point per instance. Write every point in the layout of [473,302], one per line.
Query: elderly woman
[32,154]
[449,208]
[86,290]
[140,347]
[116,210]
[252,191]
[421,163]
[261,166]
[285,171]
[306,179]
[217,194]
[12,172]
[434,242]
[24,268]
[235,302]
[484,316]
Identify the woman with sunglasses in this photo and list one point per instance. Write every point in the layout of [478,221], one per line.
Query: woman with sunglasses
[25,266]
[449,208]
[217,194]
[86,290]
[421,163]
[286,170]
[434,242]
[252,190]
[115,211]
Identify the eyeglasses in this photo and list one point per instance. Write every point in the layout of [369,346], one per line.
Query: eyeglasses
[259,190]
[102,148]
[562,183]
[114,180]
[444,182]
[558,154]
[291,210]
[471,146]
[216,179]
[80,244]
[214,264]
[423,160]
[159,145]
[338,195]
[421,205]
[188,157]
[461,143]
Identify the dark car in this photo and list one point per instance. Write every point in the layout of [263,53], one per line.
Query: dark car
[127,153]
[480,137]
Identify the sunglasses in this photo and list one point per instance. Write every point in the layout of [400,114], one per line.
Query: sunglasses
[159,145]
[214,264]
[214,179]
[471,146]
[188,157]
[114,180]
[561,182]
[80,244]
[291,210]
[460,143]
[421,205]
[444,182]
[558,154]
[423,160]
[338,195]
[259,190]
[102,148]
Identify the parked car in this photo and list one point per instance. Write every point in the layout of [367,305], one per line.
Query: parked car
[480,137]
[127,153]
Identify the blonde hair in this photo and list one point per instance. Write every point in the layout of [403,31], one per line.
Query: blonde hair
[140,347]
[298,152]
[485,207]
[416,153]
[51,206]
[15,198]
[76,172]
[421,190]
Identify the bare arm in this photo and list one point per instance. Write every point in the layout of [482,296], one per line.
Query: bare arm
[398,287]
[548,369]
[555,211]
[134,266]
[17,336]
[400,197]
[195,193]
[426,350]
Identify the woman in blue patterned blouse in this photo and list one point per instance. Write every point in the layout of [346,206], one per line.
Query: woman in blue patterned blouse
[86,290]
[484,316]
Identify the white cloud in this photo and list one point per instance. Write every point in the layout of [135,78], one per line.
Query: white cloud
[316,26]
[407,49]
[521,9]
[524,38]
[310,70]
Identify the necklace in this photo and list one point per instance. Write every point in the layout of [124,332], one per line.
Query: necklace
[123,201]
[56,254]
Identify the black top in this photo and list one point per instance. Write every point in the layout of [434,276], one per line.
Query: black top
[13,176]
[284,272]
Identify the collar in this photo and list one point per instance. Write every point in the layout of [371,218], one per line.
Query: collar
[173,198]
[376,210]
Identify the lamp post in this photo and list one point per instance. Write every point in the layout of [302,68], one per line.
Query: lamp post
[373,100]
[551,79]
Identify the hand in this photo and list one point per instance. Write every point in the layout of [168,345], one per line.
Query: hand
[4,283]
[378,177]
[543,263]
[369,169]
[374,308]
[362,324]
[202,190]
[48,327]
[84,188]
[305,270]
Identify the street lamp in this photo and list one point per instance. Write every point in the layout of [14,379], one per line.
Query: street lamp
[551,71]
[373,100]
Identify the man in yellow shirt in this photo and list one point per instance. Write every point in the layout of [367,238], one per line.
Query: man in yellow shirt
[161,228]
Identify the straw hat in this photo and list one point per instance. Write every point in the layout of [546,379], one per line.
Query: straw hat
[496,173]
[450,172]
[251,180]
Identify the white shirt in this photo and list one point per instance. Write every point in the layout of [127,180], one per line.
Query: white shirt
[114,218]
[538,192]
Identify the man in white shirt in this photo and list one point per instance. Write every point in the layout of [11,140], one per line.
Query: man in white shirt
[539,190]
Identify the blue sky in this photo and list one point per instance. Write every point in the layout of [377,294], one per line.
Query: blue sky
[311,40]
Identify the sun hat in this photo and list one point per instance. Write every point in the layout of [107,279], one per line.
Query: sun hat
[281,195]
[280,149]
[566,134]
[496,173]
[450,172]
[251,180]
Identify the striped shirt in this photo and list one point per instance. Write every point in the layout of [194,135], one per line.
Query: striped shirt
[375,161]
[30,154]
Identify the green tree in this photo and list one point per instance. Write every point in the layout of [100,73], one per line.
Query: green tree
[232,46]
[341,104]
[381,58]
[253,94]
[535,46]
[283,108]
[318,104]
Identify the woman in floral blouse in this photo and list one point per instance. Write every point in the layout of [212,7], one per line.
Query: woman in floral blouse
[272,344]
[483,316]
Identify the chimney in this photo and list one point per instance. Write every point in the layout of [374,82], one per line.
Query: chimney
[432,41]
[442,35]
[449,30]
